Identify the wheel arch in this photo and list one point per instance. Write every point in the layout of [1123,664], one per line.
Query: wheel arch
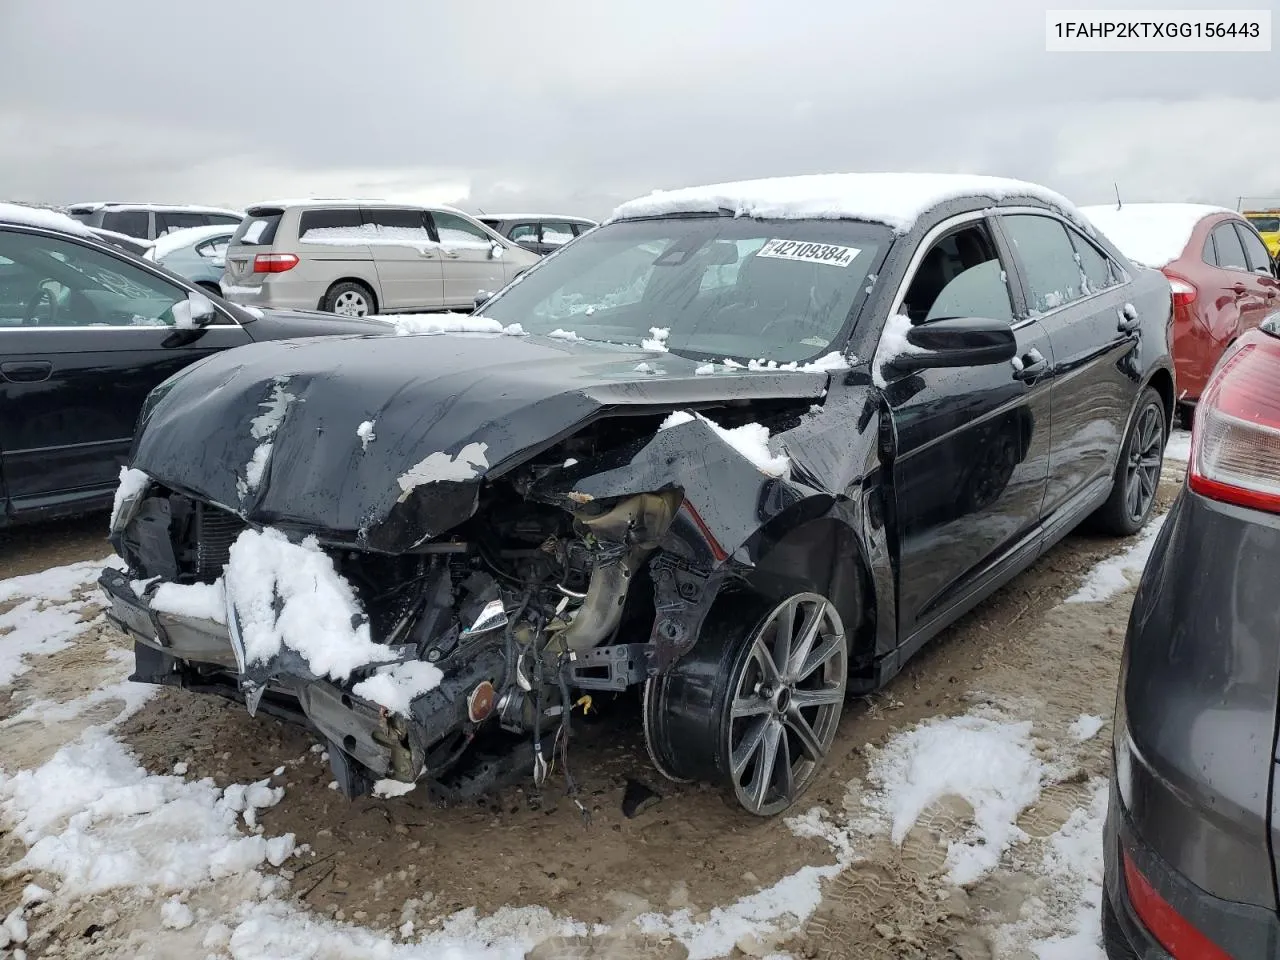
[1162,380]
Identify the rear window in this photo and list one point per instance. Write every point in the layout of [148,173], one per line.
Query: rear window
[134,223]
[84,216]
[1266,224]
[258,229]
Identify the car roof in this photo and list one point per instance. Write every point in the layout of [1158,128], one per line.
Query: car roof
[94,206]
[1154,234]
[534,216]
[896,200]
[176,240]
[30,216]
[314,202]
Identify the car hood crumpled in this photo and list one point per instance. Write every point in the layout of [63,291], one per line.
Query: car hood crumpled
[382,441]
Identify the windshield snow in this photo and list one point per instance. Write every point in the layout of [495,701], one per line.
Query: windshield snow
[714,286]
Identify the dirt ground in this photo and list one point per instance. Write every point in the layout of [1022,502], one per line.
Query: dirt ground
[1054,662]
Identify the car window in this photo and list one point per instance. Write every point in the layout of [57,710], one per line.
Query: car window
[135,223]
[1266,224]
[1097,272]
[960,276]
[170,221]
[258,230]
[392,223]
[331,224]
[222,220]
[1255,251]
[581,228]
[726,274]
[556,234]
[524,233]
[214,249]
[1230,250]
[457,232]
[54,282]
[1048,258]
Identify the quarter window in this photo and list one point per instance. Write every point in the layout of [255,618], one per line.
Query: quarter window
[51,282]
[1230,250]
[1096,271]
[1054,278]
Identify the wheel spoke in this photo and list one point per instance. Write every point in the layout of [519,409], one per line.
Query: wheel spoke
[821,697]
[750,707]
[748,746]
[828,648]
[764,656]
[784,634]
[786,784]
[813,620]
[804,733]
[763,774]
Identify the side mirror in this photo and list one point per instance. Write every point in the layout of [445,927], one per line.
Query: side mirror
[957,342]
[193,313]
[495,251]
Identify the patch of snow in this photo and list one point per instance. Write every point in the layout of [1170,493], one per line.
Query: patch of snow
[176,915]
[644,368]
[705,370]
[570,462]
[436,324]
[468,464]
[558,334]
[370,234]
[176,240]
[1152,234]
[990,763]
[657,339]
[199,601]
[893,344]
[366,434]
[252,311]
[40,217]
[1178,447]
[263,428]
[751,440]
[894,199]
[132,483]
[1114,575]
[1085,727]
[386,789]
[395,687]
[289,596]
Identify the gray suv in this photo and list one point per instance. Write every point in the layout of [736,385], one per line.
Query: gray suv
[541,233]
[360,257]
[150,220]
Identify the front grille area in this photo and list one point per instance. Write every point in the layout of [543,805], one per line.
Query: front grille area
[215,531]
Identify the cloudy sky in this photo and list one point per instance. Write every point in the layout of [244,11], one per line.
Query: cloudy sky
[576,105]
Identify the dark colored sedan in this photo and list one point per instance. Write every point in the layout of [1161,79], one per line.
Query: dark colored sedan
[1191,848]
[747,448]
[86,331]
[540,233]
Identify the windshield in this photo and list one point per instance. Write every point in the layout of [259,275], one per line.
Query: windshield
[712,286]
[1266,224]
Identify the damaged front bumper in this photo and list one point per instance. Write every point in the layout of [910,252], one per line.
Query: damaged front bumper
[365,741]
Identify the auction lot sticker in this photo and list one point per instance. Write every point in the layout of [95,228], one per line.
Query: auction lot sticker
[809,252]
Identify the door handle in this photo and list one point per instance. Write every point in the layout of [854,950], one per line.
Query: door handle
[451,253]
[1031,366]
[26,371]
[1129,320]
[1239,289]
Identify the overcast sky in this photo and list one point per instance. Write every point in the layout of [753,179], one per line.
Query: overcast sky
[574,105]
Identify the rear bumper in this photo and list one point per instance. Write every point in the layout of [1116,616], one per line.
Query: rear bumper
[275,294]
[1244,931]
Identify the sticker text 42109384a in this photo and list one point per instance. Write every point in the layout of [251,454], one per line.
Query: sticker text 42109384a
[809,252]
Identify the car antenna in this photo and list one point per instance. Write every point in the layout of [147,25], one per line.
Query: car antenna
[1119,205]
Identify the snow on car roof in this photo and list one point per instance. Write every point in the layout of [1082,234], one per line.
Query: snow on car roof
[154,207]
[533,216]
[894,199]
[345,201]
[176,240]
[40,217]
[1154,234]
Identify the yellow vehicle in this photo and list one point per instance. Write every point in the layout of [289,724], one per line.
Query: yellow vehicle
[1267,223]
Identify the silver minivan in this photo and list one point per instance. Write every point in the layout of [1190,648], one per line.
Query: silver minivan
[360,257]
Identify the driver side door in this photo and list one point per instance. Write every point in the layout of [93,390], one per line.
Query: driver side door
[468,261]
[84,337]
[970,444]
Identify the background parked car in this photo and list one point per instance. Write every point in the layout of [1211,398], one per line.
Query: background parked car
[150,220]
[197,253]
[86,331]
[540,233]
[1267,223]
[1189,843]
[1223,278]
[135,245]
[360,257]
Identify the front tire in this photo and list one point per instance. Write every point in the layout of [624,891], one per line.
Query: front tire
[1137,477]
[756,709]
[349,299]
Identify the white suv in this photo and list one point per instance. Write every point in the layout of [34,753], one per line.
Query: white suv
[360,257]
[146,221]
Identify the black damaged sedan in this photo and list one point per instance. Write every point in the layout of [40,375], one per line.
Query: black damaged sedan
[747,447]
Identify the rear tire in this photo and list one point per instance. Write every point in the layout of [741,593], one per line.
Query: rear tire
[349,299]
[1137,476]
[1186,416]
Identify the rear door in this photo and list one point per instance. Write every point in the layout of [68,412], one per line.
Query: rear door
[406,258]
[971,444]
[555,234]
[256,234]
[470,266]
[1091,328]
[84,337]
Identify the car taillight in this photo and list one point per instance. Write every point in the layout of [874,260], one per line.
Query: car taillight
[274,262]
[1235,442]
[1184,293]
[1175,933]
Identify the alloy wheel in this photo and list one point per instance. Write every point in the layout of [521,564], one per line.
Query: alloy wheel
[349,303]
[1145,458]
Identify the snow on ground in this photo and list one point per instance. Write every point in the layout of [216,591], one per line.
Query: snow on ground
[751,440]
[1115,573]
[989,762]
[48,615]
[1178,448]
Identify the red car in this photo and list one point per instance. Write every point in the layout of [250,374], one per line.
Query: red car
[1224,280]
